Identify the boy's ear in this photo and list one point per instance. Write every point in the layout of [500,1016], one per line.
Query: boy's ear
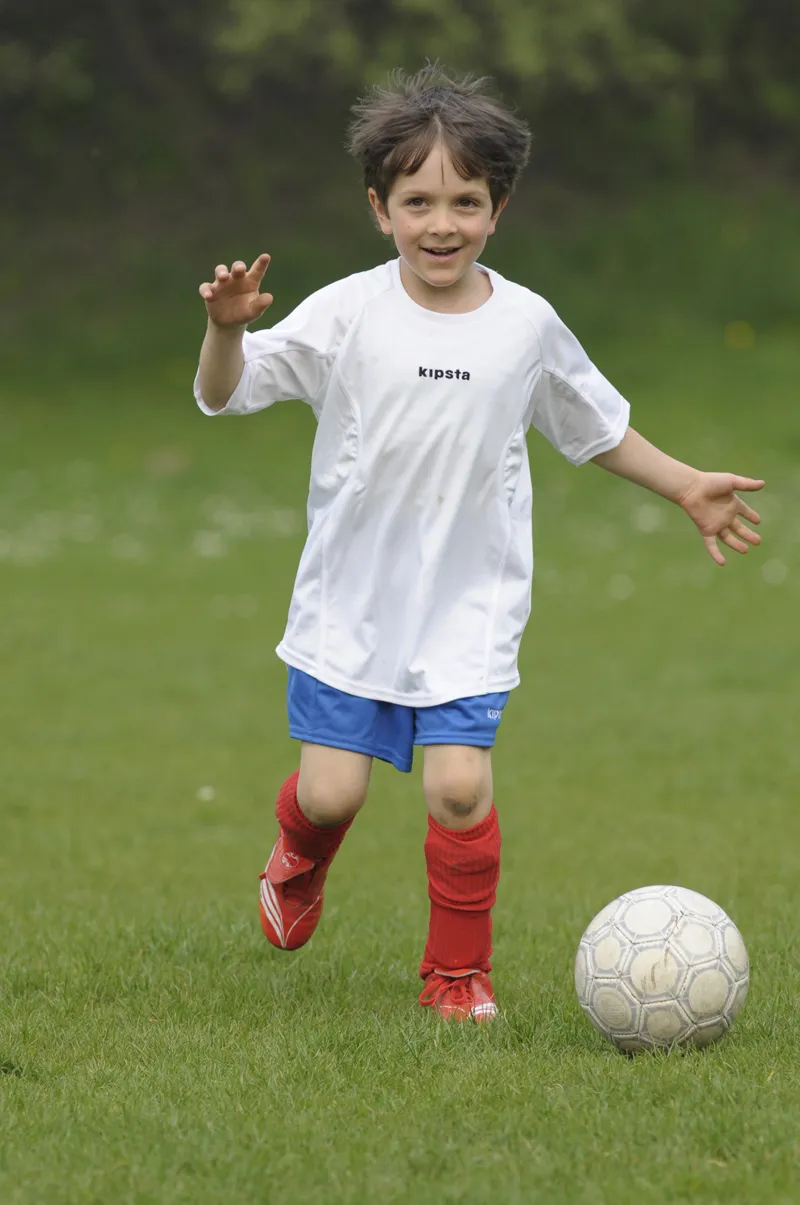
[500,207]
[380,211]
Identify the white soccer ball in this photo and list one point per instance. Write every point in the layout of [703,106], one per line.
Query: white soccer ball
[662,966]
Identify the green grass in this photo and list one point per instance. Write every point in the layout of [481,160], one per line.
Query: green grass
[153,1048]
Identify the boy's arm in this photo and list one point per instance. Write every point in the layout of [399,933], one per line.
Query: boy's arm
[221,364]
[232,301]
[708,498]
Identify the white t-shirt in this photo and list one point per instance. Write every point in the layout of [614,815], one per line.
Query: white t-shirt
[414,585]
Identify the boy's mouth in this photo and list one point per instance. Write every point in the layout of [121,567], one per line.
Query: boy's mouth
[441,254]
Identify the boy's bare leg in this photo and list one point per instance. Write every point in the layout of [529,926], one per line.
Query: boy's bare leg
[315,808]
[462,851]
[457,784]
[333,783]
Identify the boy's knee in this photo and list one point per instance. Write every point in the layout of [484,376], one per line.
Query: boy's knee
[331,787]
[325,806]
[456,809]
[459,796]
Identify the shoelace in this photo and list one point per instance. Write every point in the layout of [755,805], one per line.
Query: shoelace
[458,991]
[296,891]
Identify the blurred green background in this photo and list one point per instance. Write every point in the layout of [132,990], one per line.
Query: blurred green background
[147,556]
[144,142]
[244,100]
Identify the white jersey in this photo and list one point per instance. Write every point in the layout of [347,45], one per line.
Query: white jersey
[414,585]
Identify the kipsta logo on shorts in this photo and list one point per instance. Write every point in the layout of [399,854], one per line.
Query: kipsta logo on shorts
[289,860]
[493,713]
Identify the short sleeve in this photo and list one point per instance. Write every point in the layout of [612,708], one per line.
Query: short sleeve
[574,406]
[292,359]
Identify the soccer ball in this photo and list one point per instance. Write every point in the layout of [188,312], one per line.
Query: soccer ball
[661,966]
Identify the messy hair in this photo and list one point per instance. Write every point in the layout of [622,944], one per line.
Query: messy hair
[394,129]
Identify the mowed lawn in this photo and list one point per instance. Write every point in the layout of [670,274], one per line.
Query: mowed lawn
[153,1048]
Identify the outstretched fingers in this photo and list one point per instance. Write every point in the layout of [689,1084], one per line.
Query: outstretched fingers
[747,512]
[713,549]
[239,270]
[728,536]
[259,266]
[260,303]
[748,483]
[743,531]
[737,535]
[208,290]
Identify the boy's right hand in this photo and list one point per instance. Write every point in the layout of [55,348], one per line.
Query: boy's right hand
[232,298]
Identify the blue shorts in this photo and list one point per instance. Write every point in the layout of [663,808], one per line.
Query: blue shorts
[324,715]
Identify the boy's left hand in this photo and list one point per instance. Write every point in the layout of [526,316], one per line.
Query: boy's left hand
[711,503]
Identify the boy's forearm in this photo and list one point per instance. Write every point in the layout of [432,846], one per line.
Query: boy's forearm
[221,364]
[641,462]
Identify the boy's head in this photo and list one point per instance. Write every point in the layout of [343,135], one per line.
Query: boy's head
[440,158]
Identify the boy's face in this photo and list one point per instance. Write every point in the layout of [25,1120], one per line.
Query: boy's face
[439,221]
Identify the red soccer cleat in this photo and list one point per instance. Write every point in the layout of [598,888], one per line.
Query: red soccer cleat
[291,896]
[460,995]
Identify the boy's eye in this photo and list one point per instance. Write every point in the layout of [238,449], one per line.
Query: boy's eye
[462,202]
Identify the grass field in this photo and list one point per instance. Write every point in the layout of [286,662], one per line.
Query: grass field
[153,1048]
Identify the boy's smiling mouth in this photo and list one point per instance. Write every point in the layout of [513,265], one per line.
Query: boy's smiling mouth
[441,253]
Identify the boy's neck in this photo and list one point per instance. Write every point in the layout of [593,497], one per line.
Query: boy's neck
[468,293]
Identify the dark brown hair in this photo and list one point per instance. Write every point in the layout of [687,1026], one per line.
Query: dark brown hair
[395,128]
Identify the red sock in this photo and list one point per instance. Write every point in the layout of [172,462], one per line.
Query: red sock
[307,839]
[463,870]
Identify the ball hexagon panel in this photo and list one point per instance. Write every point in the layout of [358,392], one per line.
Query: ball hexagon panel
[646,918]
[608,954]
[708,991]
[693,902]
[612,1008]
[734,949]
[665,1024]
[644,895]
[697,940]
[656,972]
[704,1035]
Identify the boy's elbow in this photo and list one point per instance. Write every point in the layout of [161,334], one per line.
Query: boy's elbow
[216,404]
[209,398]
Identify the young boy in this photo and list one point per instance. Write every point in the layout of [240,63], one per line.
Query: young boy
[413,588]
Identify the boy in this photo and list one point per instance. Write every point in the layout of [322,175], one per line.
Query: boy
[413,588]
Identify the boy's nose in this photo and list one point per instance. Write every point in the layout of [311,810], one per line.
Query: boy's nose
[441,223]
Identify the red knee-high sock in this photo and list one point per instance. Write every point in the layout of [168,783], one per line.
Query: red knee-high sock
[306,839]
[463,870]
